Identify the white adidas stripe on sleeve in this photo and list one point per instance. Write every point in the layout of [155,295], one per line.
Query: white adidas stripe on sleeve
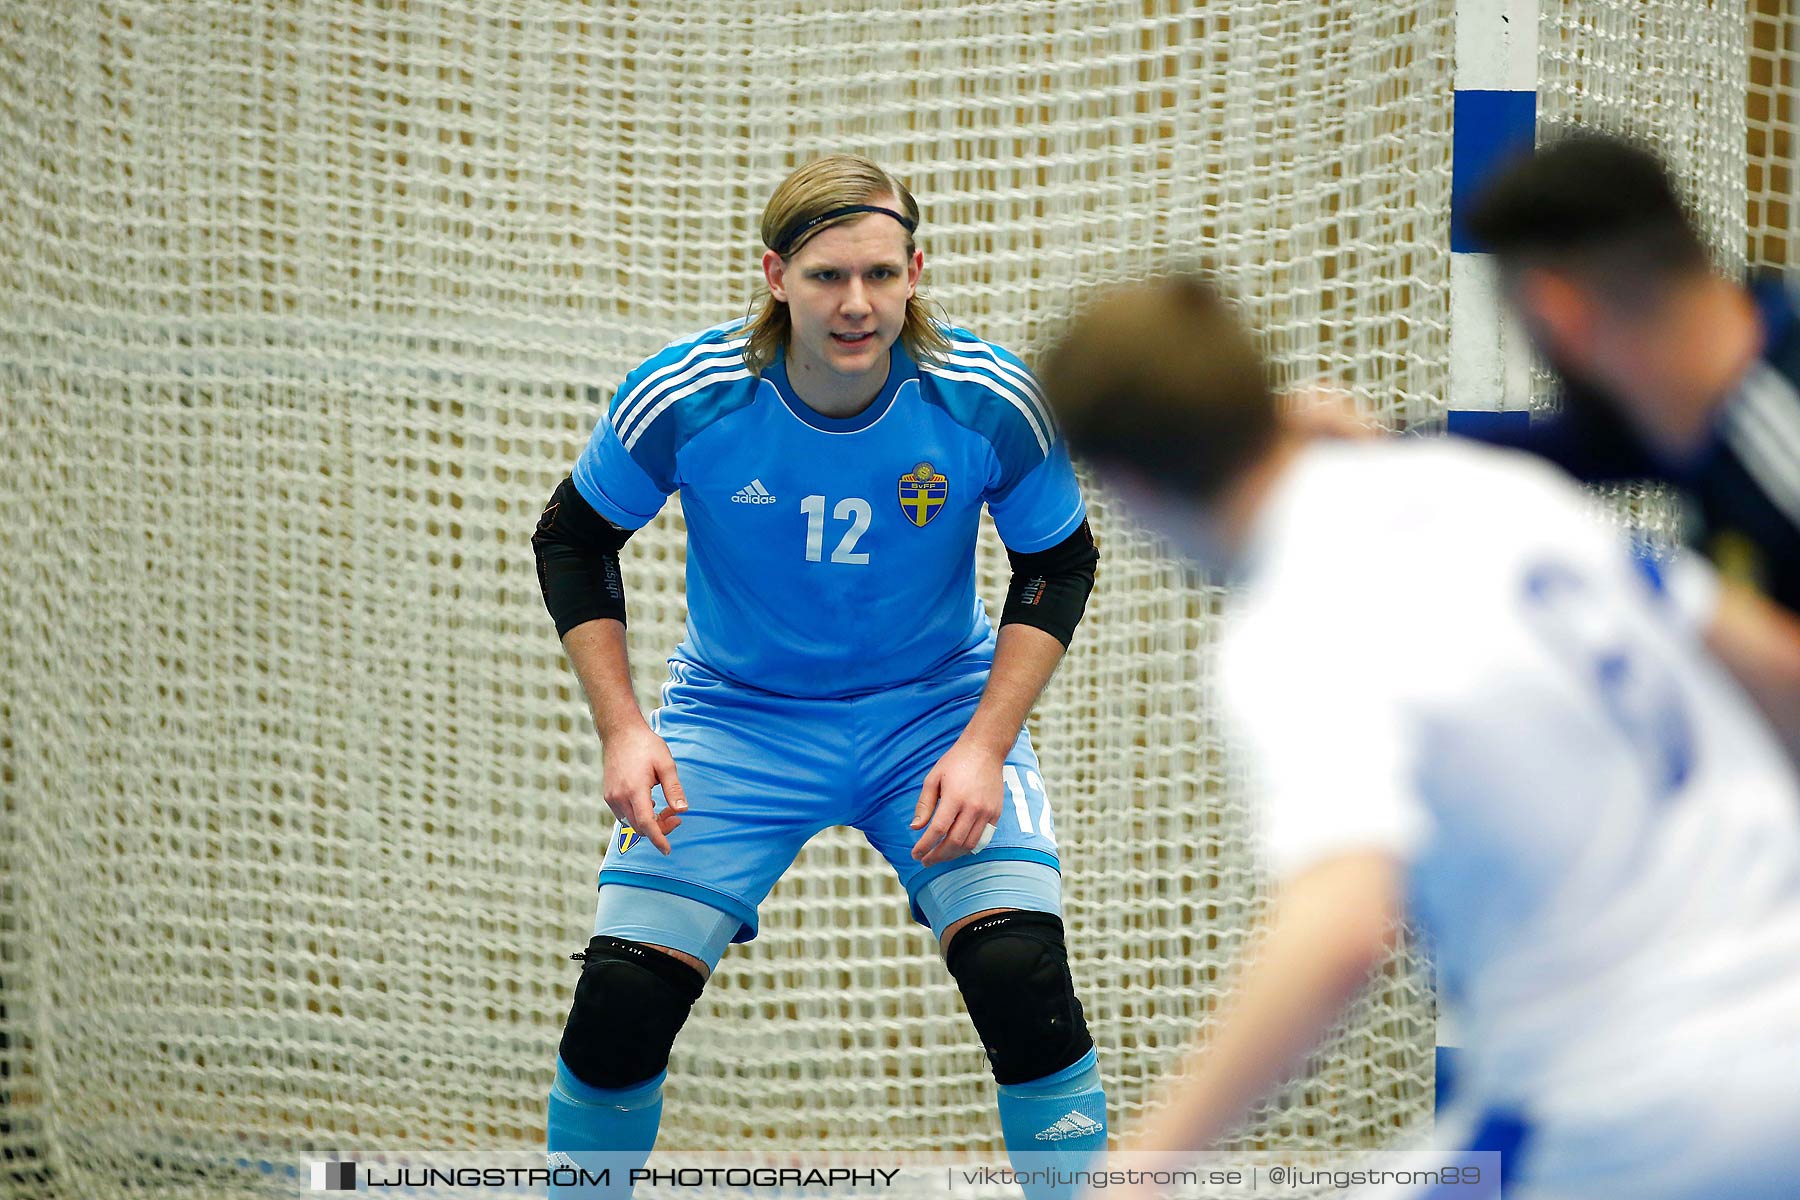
[668,398]
[698,360]
[1010,396]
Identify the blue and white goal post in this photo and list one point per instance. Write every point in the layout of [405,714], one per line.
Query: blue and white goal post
[1495,119]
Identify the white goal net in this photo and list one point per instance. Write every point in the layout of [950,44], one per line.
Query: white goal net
[304,309]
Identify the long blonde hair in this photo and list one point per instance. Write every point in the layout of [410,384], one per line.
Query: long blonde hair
[833,182]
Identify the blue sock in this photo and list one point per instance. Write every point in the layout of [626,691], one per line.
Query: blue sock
[1057,1123]
[599,1129]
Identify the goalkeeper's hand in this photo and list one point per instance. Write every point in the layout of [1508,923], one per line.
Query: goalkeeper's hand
[637,762]
[959,806]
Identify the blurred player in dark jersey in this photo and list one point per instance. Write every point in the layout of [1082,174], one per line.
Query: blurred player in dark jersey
[1670,372]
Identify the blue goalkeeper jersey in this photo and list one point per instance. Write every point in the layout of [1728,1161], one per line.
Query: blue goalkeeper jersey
[833,556]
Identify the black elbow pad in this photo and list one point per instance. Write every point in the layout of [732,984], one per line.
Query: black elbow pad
[1050,588]
[577,553]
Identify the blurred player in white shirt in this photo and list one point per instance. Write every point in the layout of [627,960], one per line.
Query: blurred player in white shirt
[1471,705]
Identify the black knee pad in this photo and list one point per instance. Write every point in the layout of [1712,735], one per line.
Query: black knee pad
[1013,969]
[630,1003]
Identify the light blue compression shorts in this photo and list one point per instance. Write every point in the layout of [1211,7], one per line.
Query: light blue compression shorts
[764,772]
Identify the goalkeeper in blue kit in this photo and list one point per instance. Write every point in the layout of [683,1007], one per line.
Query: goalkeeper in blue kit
[833,453]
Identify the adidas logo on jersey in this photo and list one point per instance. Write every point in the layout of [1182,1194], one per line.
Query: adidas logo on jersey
[753,493]
[1072,1126]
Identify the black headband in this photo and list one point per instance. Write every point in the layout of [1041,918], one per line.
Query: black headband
[795,232]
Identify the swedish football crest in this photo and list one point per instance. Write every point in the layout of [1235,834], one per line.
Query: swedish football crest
[922,493]
[628,837]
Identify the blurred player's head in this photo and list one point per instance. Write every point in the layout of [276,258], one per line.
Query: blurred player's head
[1165,392]
[1601,259]
[842,288]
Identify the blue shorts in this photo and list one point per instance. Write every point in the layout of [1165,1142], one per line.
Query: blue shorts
[763,773]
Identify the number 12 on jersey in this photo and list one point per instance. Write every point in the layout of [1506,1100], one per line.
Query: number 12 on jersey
[853,509]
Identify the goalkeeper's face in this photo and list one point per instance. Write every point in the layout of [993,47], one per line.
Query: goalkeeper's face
[846,290]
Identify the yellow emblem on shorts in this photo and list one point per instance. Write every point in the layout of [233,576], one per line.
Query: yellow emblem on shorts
[922,493]
[628,837]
